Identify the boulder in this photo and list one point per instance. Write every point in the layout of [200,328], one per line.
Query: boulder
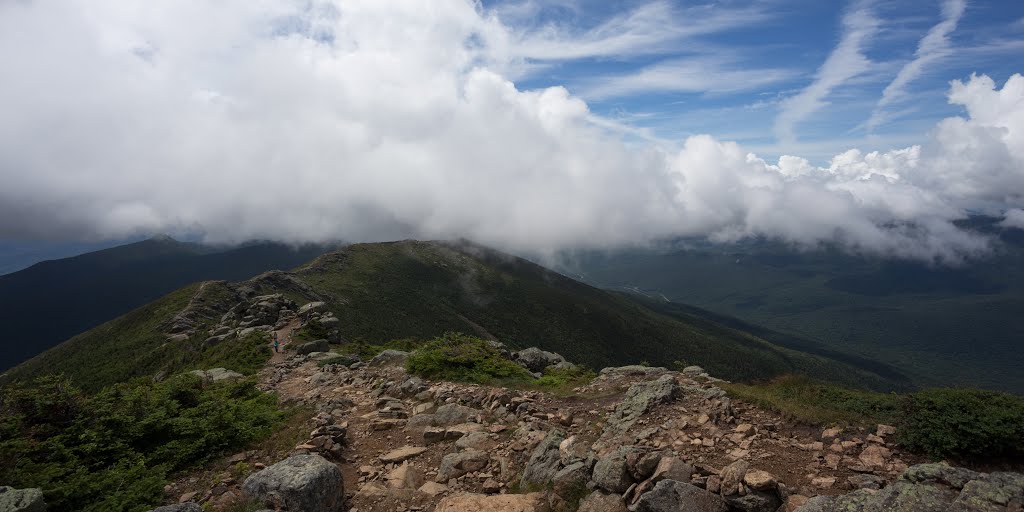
[931,487]
[21,500]
[536,360]
[312,307]
[533,502]
[455,465]
[673,496]
[389,358]
[732,475]
[611,472]
[405,477]
[544,461]
[309,483]
[216,374]
[570,480]
[452,414]
[598,501]
[640,398]
[312,346]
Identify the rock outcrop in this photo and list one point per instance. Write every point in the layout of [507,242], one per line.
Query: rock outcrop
[932,487]
[21,500]
[309,483]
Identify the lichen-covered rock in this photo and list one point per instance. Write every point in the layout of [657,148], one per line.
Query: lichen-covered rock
[932,487]
[216,374]
[21,500]
[544,461]
[611,472]
[673,496]
[452,414]
[309,483]
[312,346]
[640,398]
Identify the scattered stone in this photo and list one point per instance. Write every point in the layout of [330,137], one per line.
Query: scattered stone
[760,480]
[732,475]
[433,488]
[405,477]
[389,358]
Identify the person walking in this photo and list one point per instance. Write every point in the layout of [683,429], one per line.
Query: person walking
[277,344]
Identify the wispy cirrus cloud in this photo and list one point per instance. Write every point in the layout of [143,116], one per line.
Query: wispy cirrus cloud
[651,28]
[708,75]
[846,61]
[934,46]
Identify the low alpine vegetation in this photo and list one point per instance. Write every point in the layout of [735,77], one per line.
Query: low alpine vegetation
[464,358]
[114,450]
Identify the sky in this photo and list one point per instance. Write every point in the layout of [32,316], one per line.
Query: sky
[529,125]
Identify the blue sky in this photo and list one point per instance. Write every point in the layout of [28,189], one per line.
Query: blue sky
[725,68]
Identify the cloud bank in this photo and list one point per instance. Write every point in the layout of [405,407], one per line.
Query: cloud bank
[369,120]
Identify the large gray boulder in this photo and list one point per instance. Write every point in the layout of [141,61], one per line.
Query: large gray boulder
[640,398]
[453,414]
[312,346]
[931,487]
[455,465]
[313,307]
[309,483]
[21,500]
[673,496]
[536,360]
[543,463]
[611,472]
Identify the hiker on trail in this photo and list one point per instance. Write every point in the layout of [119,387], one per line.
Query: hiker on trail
[276,343]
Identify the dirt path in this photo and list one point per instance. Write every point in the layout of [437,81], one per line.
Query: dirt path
[283,335]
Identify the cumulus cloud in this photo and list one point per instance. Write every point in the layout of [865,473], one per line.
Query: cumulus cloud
[846,61]
[368,120]
[933,46]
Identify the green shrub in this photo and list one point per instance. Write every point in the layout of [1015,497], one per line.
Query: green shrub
[564,379]
[112,451]
[459,357]
[807,400]
[969,424]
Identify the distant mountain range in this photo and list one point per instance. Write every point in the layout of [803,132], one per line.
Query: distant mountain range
[52,301]
[941,326]
[388,291]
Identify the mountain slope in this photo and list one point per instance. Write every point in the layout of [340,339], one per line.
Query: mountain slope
[938,325]
[387,291]
[51,301]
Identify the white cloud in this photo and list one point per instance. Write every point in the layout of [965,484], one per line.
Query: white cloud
[369,120]
[933,46]
[846,61]
[1013,219]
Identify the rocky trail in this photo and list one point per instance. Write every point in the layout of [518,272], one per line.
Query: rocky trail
[371,438]
[631,438]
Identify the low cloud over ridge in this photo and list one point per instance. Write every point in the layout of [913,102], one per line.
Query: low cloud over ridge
[369,120]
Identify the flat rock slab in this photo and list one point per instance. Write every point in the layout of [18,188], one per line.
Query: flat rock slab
[402,454]
[533,502]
